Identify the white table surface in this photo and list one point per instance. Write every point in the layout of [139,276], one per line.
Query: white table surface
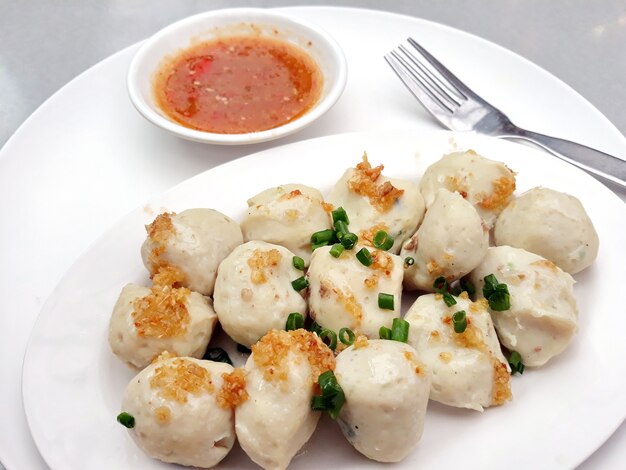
[47,43]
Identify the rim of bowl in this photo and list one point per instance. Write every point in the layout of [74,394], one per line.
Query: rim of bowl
[236,14]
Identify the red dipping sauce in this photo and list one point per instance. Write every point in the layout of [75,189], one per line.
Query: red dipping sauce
[236,85]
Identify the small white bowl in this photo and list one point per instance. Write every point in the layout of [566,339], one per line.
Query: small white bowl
[238,21]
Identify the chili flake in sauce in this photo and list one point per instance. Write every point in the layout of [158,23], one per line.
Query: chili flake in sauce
[235,85]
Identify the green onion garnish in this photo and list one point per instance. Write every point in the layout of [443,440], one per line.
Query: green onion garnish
[217,355]
[409,261]
[448,299]
[332,397]
[298,263]
[300,283]
[349,240]
[491,285]
[385,301]
[329,337]
[400,330]
[515,361]
[456,290]
[323,237]
[341,228]
[459,321]
[342,336]
[126,419]
[382,240]
[340,214]
[319,403]
[315,328]
[295,321]
[384,332]
[242,349]
[336,250]
[500,300]
[319,245]
[467,286]
[496,293]
[363,255]
[440,285]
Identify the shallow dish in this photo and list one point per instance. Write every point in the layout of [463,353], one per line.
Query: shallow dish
[196,29]
[559,413]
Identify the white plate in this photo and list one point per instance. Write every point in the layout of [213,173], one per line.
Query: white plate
[73,385]
[86,157]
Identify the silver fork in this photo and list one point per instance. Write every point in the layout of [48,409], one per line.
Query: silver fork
[459,108]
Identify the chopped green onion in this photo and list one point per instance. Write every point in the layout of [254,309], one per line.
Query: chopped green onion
[323,237]
[340,214]
[500,300]
[342,336]
[349,240]
[315,328]
[409,261]
[459,320]
[320,403]
[491,285]
[126,419]
[440,285]
[242,349]
[295,321]
[341,228]
[382,240]
[330,336]
[384,332]
[515,361]
[298,263]
[217,355]
[456,290]
[336,250]
[318,245]
[496,293]
[332,397]
[448,299]
[385,301]
[363,255]
[400,330]
[467,286]
[300,283]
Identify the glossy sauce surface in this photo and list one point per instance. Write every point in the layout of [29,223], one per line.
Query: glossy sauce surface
[236,85]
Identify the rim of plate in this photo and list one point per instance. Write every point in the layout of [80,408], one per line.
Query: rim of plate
[330,58]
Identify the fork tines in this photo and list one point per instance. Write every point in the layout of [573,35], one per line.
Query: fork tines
[427,78]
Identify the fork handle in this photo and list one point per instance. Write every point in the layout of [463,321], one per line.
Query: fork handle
[593,161]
